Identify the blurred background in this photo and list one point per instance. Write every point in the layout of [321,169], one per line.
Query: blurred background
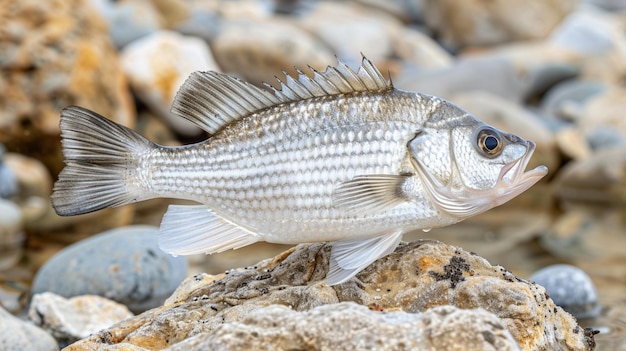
[552,71]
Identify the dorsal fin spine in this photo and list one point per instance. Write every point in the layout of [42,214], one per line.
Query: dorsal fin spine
[212,100]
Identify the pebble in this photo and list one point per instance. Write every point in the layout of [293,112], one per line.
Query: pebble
[124,265]
[566,100]
[8,183]
[571,288]
[128,20]
[468,23]
[350,28]
[19,335]
[242,46]
[158,64]
[68,320]
[11,234]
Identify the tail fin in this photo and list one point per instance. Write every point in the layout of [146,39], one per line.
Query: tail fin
[102,162]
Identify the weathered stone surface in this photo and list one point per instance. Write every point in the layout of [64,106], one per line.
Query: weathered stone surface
[19,335]
[124,265]
[348,326]
[68,320]
[476,23]
[415,278]
[54,54]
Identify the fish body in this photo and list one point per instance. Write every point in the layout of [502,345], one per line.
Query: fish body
[342,156]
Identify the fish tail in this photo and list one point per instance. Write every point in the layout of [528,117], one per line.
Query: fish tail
[102,164]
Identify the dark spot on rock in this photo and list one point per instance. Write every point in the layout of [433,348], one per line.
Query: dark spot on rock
[151,253]
[489,337]
[255,334]
[453,271]
[555,310]
[575,330]
[263,276]
[198,277]
[214,308]
[589,337]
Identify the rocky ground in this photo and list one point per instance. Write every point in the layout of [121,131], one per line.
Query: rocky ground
[552,71]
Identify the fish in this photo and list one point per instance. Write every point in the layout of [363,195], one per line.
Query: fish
[339,156]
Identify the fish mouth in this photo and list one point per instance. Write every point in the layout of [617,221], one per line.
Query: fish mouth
[513,180]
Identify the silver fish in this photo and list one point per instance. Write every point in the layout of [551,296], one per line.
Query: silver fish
[341,156]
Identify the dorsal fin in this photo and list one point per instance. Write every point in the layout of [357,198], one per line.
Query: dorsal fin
[212,100]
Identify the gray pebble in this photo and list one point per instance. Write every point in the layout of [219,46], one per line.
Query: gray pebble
[605,138]
[8,182]
[11,234]
[19,335]
[571,288]
[124,265]
[566,100]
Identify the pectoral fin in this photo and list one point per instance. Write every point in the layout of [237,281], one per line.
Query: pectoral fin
[368,194]
[187,230]
[349,257]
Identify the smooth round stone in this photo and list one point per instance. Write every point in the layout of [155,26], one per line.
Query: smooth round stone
[125,265]
[11,234]
[571,288]
[19,335]
[8,183]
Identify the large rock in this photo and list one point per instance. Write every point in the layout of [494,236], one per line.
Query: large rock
[54,54]
[124,265]
[416,278]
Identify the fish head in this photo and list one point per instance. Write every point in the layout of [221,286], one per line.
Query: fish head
[467,167]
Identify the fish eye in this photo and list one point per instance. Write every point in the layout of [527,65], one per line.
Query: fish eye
[489,142]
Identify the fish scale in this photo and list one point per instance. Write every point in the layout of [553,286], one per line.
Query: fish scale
[341,156]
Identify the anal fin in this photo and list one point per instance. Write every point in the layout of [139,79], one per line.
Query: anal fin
[349,257]
[187,230]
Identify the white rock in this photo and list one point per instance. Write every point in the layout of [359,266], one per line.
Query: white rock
[71,319]
[19,335]
[412,46]
[157,65]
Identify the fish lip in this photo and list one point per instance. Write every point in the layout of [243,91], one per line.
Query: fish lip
[511,185]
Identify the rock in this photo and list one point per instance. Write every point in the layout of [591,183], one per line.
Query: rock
[19,335]
[124,265]
[496,74]
[605,110]
[605,138]
[572,143]
[55,54]
[68,320]
[414,47]
[277,327]
[571,288]
[416,278]
[8,183]
[586,32]
[350,28]
[477,23]
[34,183]
[11,234]
[512,118]
[598,180]
[567,99]
[157,65]
[259,50]
[129,20]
